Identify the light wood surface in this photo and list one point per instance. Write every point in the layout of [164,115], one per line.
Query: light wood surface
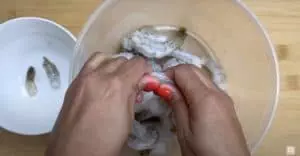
[280,17]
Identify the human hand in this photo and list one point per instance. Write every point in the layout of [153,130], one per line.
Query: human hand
[97,113]
[205,118]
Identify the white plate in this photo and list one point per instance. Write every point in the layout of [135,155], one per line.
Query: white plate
[23,43]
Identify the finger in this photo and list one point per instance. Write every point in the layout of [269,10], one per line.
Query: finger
[132,71]
[202,74]
[175,99]
[93,62]
[149,83]
[205,70]
[165,91]
[180,110]
[205,77]
[132,100]
[186,80]
[112,65]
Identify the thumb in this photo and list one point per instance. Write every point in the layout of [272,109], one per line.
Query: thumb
[180,112]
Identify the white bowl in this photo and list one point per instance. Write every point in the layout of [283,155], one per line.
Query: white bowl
[23,43]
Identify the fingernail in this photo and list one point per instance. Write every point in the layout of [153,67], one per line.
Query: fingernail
[150,83]
[165,91]
[151,86]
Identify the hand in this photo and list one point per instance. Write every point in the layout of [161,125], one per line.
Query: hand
[97,113]
[206,121]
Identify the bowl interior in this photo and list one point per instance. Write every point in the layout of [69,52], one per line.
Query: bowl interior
[23,44]
[233,34]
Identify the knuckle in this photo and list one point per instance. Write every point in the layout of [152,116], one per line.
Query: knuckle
[86,80]
[88,66]
[121,59]
[139,61]
[116,82]
[95,56]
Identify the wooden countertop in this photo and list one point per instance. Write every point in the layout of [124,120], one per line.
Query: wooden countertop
[280,17]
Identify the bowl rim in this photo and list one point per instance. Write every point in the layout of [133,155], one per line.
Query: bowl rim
[33,18]
[260,26]
[272,112]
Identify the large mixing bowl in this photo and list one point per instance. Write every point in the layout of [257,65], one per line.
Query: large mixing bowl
[231,31]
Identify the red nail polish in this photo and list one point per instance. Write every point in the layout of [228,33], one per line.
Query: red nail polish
[151,86]
[164,91]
